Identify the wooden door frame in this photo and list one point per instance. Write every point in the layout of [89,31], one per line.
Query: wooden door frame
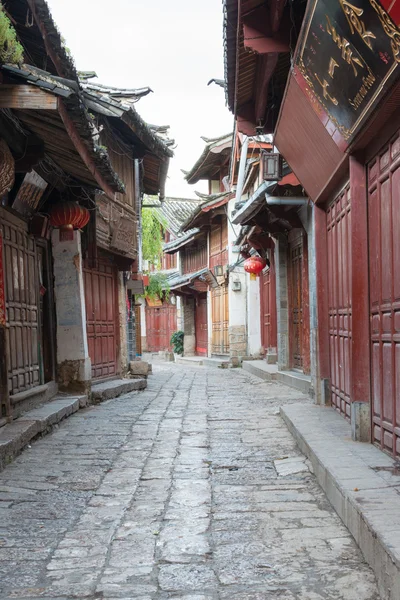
[51,312]
[91,267]
[272,302]
[198,297]
[19,222]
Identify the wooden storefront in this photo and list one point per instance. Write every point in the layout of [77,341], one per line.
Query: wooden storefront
[299,319]
[349,111]
[220,320]
[383,184]
[161,323]
[339,297]
[28,309]
[201,327]
[268,307]
[101,299]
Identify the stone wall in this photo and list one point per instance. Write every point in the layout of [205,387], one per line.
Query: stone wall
[188,311]
[73,362]
[238,340]
[306,215]
[282,308]
[123,326]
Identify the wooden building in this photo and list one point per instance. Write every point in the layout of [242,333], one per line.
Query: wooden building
[276,220]
[336,122]
[66,142]
[130,143]
[160,319]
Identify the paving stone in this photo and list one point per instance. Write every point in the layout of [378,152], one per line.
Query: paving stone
[191,490]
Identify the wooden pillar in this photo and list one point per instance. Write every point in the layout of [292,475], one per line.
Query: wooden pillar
[323,391]
[306,308]
[360,349]
[5,407]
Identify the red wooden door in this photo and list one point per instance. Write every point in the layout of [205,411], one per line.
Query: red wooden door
[339,298]
[268,307]
[296,298]
[161,323]
[21,283]
[101,317]
[384,270]
[201,326]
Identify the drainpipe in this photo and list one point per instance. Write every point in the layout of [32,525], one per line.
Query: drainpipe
[285,201]
[242,170]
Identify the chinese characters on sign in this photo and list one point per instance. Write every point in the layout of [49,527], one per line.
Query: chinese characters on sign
[349,53]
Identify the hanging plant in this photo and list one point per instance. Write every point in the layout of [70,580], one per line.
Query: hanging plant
[158,288]
[152,236]
[11,50]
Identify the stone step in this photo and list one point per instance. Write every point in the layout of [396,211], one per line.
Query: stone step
[268,372]
[261,369]
[14,437]
[112,389]
[361,483]
[200,361]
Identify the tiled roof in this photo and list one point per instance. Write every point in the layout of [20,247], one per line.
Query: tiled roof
[182,240]
[174,211]
[114,102]
[70,93]
[209,162]
[182,280]
[208,203]
[119,97]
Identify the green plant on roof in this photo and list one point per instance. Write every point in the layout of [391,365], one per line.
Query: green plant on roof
[158,288]
[11,50]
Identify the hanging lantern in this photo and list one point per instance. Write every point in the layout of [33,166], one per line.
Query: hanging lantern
[68,216]
[254,265]
[84,220]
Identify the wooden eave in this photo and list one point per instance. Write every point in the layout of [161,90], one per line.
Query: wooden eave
[39,36]
[257,60]
[49,126]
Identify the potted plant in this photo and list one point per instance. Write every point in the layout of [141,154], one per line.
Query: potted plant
[177,342]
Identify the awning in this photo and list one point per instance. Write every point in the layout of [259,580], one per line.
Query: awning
[175,245]
[253,205]
[186,279]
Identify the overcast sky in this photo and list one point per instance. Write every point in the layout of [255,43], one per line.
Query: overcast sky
[175,47]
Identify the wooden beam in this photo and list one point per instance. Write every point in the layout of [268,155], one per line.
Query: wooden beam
[56,60]
[257,42]
[33,155]
[266,65]
[26,97]
[82,150]
[276,13]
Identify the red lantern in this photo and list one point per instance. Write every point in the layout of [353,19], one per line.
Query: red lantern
[68,216]
[254,265]
[84,220]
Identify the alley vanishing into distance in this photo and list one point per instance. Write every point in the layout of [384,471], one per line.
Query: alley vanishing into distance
[184,490]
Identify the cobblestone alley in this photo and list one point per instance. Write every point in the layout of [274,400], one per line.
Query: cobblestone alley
[174,493]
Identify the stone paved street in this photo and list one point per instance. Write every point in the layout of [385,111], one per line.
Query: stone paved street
[193,489]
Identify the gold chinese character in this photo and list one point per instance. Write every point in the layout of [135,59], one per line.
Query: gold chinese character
[332,65]
[352,15]
[344,46]
[325,92]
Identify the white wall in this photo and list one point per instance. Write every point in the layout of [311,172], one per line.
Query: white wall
[237,299]
[253,314]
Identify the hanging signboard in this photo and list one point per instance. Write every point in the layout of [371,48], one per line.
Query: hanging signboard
[29,194]
[349,54]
